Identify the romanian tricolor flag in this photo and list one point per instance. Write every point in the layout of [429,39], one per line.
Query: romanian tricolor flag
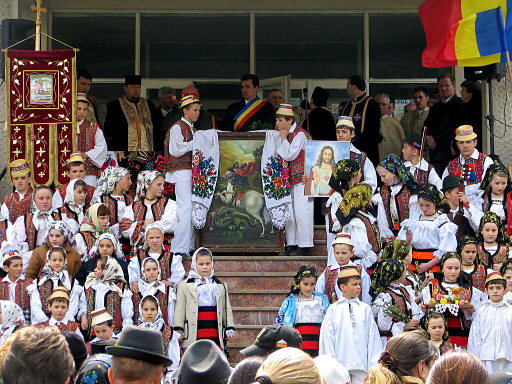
[466,33]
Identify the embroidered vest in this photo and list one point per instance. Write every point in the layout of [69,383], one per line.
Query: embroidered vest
[361,159]
[157,208]
[331,279]
[89,240]
[16,206]
[86,142]
[112,303]
[296,166]
[22,297]
[454,166]
[111,204]
[3,230]
[185,161]
[166,336]
[422,176]
[71,326]
[373,232]
[45,291]
[401,200]
[478,277]
[31,231]
[140,127]
[507,208]
[499,257]
[165,261]
[163,299]
[400,301]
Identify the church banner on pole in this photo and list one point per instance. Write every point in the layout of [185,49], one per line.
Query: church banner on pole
[41,99]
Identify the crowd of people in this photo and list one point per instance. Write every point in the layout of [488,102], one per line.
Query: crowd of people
[418,259]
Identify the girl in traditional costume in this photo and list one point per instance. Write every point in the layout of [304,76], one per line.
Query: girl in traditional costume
[203,309]
[75,201]
[12,318]
[304,309]
[53,275]
[345,175]
[435,326]
[432,234]
[401,250]
[95,223]
[493,241]
[451,283]
[396,200]
[106,287]
[150,206]
[472,267]
[355,218]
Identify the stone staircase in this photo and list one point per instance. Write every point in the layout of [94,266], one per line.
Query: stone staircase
[258,284]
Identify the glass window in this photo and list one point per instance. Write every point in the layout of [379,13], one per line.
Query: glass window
[401,91]
[309,46]
[194,46]
[106,42]
[395,52]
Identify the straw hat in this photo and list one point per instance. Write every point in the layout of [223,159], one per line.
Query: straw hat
[187,100]
[348,271]
[465,133]
[19,168]
[76,158]
[100,316]
[343,238]
[82,97]
[345,121]
[59,292]
[285,110]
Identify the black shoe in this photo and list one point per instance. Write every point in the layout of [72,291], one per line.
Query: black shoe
[289,249]
[302,252]
[182,254]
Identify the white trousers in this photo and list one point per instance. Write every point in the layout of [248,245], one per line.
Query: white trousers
[299,229]
[91,180]
[356,376]
[331,259]
[497,365]
[184,234]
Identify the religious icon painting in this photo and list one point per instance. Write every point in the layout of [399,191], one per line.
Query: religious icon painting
[41,89]
[320,159]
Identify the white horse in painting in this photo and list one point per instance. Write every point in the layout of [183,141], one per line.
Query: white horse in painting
[251,202]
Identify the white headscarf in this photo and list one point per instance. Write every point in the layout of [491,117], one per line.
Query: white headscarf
[12,317]
[151,288]
[62,275]
[118,252]
[331,370]
[112,274]
[70,200]
[156,324]
[144,180]
[46,215]
[108,180]
[203,284]
[153,225]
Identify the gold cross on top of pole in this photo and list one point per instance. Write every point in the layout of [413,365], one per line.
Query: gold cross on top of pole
[38,9]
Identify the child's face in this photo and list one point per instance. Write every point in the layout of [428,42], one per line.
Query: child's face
[55,238]
[76,172]
[58,309]
[204,265]
[498,184]
[43,199]
[307,286]
[282,124]
[427,207]
[451,269]
[151,270]
[352,289]
[409,152]
[156,188]
[98,270]
[81,110]
[124,183]
[154,239]
[436,328]
[387,177]
[56,261]
[149,311]
[468,254]
[192,114]
[106,248]
[103,331]
[495,292]
[466,148]
[21,183]
[103,221]
[452,195]
[343,253]
[489,232]
[508,277]
[79,195]
[14,270]
[344,134]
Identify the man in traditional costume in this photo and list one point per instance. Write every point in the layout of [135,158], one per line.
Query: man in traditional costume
[365,114]
[130,127]
[90,141]
[251,113]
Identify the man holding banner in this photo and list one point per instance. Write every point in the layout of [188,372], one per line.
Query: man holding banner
[251,113]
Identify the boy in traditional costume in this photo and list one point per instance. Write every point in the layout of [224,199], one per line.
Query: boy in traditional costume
[14,286]
[424,172]
[18,203]
[59,305]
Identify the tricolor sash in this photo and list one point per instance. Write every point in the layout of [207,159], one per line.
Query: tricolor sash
[246,113]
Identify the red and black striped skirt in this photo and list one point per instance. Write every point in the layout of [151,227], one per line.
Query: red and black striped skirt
[310,337]
[207,326]
[458,335]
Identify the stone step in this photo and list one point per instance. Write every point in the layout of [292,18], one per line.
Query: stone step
[258,298]
[256,280]
[246,333]
[254,315]
[234,352]
[257,263]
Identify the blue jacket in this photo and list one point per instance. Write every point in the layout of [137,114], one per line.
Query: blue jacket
[288,310]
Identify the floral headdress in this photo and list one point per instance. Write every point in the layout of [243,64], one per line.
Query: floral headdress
[491,217]
[385,272]
[491,171]
[396,249]
[393,164]
[430,192]
[144,180]
[303,272]
[358,197]
[342,173]
[426,319]
[108,179]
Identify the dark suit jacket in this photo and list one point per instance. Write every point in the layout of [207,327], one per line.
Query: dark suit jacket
[265,115]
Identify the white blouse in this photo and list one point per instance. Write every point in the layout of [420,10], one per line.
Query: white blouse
[168,220]
[309,311]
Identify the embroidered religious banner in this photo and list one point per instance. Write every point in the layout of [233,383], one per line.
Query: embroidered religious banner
[41,99]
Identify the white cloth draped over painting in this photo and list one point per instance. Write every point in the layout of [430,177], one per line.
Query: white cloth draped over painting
[205,167]
[275,178]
